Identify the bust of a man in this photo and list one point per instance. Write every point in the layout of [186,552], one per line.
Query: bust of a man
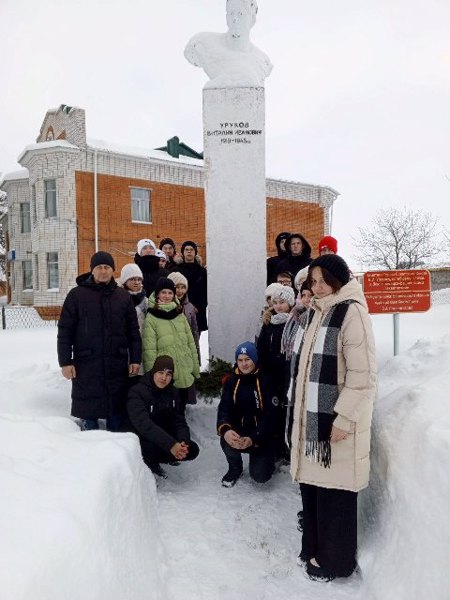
[230,59]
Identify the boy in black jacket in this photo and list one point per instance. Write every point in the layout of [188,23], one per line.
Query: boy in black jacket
[153,408]
[244,419]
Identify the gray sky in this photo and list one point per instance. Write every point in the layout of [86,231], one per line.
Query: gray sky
[359,97]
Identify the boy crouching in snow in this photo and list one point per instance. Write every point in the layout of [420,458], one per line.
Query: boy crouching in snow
[153,408]
[244,419]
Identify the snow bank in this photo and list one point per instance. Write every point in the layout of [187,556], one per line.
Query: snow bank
[79,518]
[406,510]
[78,514]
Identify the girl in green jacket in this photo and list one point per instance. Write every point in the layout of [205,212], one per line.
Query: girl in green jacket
[167,332]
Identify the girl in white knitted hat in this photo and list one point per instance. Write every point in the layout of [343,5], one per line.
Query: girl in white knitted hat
[272,360]
[131,279]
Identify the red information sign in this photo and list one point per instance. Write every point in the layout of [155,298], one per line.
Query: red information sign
[390,292]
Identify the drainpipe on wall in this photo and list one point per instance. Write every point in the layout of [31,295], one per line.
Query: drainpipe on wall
[95,202]
[331,218]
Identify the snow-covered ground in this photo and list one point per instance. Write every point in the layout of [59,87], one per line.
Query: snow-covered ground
[81,517]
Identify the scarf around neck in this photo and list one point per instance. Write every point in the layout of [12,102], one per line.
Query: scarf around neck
[164,311]
[322,391]
[137,297]
[279,318]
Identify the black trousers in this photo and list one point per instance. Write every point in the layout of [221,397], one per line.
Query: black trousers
[261,461]
[153,455]
[183,394]
[330,528]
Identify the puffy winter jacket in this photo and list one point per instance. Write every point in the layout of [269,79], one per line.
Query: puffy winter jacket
[98,333]
[167,332]
[349,469]
[149,265]
[245,406]
[154,411]
[294,264]
[198,289]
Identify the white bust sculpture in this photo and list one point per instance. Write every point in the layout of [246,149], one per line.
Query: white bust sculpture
[230,59]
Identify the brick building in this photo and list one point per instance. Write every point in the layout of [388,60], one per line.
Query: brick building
[74,195]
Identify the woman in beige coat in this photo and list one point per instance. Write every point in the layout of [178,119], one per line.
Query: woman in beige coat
[334,386]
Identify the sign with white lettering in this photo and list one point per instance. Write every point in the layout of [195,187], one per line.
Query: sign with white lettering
[389,292]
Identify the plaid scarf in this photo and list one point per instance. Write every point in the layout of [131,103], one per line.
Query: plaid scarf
[290,331]
[322,390]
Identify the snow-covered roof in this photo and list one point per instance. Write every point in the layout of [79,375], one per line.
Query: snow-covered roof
[277,180]
[142,152]
[14,176]
[46,146]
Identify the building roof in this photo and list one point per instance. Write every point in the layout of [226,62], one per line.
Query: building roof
[142,152]
[14,176]
[46,146]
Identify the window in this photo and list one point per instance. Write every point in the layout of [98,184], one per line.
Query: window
[36,272]
[25,222]
[140,205]
[52,270]
[27,273]
[50,198]
[33,204]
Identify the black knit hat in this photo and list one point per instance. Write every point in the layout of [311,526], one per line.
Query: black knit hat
[102,258]
[161,363]
[304,287]
[189,243]
[164,283]
[168,241]
[334,264]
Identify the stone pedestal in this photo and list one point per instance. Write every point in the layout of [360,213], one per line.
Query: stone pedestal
[235,195]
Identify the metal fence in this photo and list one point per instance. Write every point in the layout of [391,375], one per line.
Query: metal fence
[22,317]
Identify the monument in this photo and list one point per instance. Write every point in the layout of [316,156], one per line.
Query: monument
[235,184]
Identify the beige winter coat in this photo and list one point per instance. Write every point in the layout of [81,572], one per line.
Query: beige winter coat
[357,386]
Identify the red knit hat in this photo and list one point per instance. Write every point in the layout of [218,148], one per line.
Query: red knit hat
[328,242]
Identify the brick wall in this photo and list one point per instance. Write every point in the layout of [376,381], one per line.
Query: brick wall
[177,212]
[60,123]
[296,217]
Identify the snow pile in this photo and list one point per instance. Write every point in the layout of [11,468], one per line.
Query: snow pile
[406,537]
[78,514]
[79,518]
[440,297]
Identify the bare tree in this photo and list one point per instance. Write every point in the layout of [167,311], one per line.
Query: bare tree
[3,209]
[399,239]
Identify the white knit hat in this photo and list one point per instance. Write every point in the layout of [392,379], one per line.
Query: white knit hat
[161,254]
[270,290]
[145,242]
[301,277]
[128,271]
[178,278]
[285,293]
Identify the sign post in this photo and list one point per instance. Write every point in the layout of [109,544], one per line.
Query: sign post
[395,292]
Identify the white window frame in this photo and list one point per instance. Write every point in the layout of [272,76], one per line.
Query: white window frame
[141,205]
[51,198]
[27,275]
[25,217]
[52,270]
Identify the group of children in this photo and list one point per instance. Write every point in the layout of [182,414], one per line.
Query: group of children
[319,363]
[254,398]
